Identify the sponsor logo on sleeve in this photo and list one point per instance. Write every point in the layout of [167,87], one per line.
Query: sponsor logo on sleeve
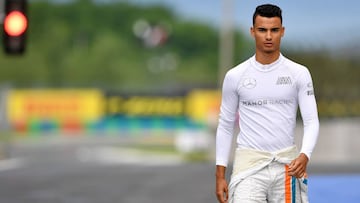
[311,89]
[310,92]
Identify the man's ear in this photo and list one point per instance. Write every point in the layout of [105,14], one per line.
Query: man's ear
[252,32]
[283,32]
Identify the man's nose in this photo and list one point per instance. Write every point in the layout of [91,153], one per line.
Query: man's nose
[268,35]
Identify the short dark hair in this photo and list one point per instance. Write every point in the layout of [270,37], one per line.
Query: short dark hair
[267,10]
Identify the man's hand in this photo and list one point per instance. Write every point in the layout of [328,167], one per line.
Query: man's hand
[298,166]
[222,192]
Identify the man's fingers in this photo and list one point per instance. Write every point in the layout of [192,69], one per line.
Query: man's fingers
[226,195]
[297,167]
[221,190]
[222,195]
[297,171]
[221,198]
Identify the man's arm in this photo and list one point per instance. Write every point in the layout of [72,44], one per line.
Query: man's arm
[309,114]
[224,133]
[227,119]
[222,192]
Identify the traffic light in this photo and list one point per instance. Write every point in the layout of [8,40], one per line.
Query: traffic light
[15,26]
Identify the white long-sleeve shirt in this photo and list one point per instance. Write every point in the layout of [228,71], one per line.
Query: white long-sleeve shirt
[265,99]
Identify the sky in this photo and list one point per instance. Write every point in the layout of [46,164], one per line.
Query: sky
[308,23]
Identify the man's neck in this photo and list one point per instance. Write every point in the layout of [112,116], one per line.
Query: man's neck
[267,58]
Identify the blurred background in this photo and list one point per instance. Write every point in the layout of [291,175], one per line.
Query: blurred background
[118,100]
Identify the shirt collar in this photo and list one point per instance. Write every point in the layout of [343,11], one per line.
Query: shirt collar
[266,67]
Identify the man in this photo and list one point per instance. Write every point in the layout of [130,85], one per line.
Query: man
[264,92]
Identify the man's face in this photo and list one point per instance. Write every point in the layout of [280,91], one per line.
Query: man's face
[267,33]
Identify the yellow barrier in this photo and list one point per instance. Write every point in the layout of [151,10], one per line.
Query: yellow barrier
[146,106]
[67,104]
[203,105]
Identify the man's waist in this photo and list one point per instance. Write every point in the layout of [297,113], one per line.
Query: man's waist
[248,158]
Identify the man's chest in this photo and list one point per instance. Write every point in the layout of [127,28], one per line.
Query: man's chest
[267,86]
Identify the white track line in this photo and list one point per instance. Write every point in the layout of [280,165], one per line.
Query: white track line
[9,164]
[113,156]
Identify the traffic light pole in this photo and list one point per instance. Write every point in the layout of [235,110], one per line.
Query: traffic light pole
[2,11]
[226,46]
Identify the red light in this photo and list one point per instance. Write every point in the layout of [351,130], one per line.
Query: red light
[15,23]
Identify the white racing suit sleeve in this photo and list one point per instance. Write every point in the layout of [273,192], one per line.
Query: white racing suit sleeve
[309,113]
[228,112]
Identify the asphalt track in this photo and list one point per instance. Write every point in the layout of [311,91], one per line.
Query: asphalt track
[96,172]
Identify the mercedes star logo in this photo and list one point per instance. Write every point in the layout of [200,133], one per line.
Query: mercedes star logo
[249,83]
